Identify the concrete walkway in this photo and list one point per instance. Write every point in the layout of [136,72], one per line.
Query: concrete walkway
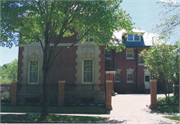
[134,109]
[130,109]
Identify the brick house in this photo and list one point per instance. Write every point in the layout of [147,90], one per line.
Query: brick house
[130,74]
[85,68]
[82,67]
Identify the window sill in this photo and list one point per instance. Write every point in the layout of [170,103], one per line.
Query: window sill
[141,64]
[117,82]
[33,83]
[108,58]
[129,58]
[87,83]
[129,82]
[88,41]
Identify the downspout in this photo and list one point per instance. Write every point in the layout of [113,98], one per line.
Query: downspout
[136,68]
[113,58]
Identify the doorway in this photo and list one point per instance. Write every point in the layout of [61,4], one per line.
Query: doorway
[147,81]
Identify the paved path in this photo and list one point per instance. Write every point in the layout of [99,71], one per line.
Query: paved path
[130,109]
[134,109]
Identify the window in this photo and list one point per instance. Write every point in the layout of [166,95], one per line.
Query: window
[137,38]
[129,76]
[147,78]
[130,53]
[33,71]
[108,55]
[88,71]
[89,38]
[132,37]
[141,59]
[117,77]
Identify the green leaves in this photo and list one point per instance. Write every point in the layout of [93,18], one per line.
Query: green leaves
[52,20]
[161,60]
[8,72]
[33,19]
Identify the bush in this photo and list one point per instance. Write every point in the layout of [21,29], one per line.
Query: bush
[169,104]
[169,108]
[5,95]
[171,100]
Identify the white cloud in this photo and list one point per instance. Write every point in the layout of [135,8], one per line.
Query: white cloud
[171,1]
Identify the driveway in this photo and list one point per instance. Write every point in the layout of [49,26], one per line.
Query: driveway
[130,109]
[134,108]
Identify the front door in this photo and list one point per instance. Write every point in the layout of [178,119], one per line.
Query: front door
[147,81]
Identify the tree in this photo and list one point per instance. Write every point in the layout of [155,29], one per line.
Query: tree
[169,26]
[169,18]
[8,72]
[163,62]
[42,21]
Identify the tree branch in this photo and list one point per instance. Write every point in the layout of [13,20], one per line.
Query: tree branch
[72,44]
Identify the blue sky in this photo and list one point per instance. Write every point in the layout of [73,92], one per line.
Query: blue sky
[144,14]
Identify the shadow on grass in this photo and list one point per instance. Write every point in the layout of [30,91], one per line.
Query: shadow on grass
[55,109]
[156,111]
[115,121]
[52,118]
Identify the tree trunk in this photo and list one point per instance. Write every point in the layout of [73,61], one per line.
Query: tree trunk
[45,86]
[46,72]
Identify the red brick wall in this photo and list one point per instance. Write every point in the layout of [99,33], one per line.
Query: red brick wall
[110,76]
[122,63]
[109,62]
[61,93]
[14,94]
[64,67]
[102,64]
[20,64]
[108,94]
[140,77]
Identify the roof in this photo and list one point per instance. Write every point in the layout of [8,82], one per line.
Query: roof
[135,30]
[147,41]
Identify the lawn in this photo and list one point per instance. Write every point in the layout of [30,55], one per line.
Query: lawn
[29,118]
[55,109]
[173,117]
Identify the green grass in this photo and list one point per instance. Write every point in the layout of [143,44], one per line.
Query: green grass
[9,118]
[55,109]
[173,117]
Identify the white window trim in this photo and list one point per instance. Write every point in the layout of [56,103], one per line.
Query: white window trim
[147,71]
[134,38]
[118,71]
[129,71]
[29,72]
[129,57]
[92,71]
